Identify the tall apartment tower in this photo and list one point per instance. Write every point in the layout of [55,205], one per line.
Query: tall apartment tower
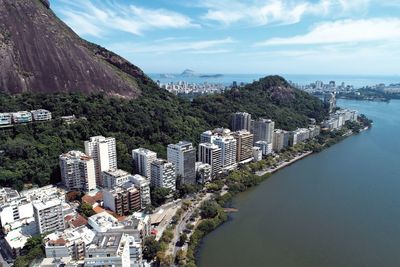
[78,171]
[228,146]
[241,121]
[244,149]
[104,153]
[280,140]
[163,174]
[212,155]
[183,156]
[330,101]
[142,159]
[263,130]
[48,215]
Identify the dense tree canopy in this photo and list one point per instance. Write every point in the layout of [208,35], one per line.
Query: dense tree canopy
[29,153]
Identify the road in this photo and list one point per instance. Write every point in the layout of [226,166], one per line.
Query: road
[185,219]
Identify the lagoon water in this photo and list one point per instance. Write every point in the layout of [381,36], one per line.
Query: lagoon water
[340,207]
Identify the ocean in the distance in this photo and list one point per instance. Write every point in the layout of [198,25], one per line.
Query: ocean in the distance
[227,79]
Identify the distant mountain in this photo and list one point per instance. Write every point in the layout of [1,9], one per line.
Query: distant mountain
[39,53]
[188,73]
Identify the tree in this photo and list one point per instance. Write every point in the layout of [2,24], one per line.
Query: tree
[159,195]
[209,209]
[151,247]
[180,257]
[182,239]
[86,210]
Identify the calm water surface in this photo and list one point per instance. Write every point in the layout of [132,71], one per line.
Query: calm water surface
[337,208]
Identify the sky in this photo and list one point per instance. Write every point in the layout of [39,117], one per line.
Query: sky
[341,37]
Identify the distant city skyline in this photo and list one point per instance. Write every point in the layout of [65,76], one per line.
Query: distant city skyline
[236,36]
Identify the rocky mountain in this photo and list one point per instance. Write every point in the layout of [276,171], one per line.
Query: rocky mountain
[41,54]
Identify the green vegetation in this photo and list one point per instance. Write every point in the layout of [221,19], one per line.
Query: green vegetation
[215,216]
[86,210]
[32,250]
[159,195]
[29,153]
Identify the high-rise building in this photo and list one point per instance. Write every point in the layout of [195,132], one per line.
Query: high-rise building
[330,101]
[241,121]
[163,174]
[142,159]
[280,140]
[123,200]
[104,153]
[183,156]
[48,215]
[244,149]
[212,155]
[144,187]
[78,171]
[263,130]
[228,145]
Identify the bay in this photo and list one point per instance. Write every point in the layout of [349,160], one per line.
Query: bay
[340,207]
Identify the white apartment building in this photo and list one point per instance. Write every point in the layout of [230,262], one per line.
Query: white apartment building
[71,242]
[103,222]
[5,118]
[21,117]
[78,171]
[109,249]
[257,154]
[228,145]
[144,187]
[212,155]
[142,159]
[48,215]
[41,115]
[163,174]
[299,135]
[14,210]
[183,156]
[115,177]
[104,153]
[266,148]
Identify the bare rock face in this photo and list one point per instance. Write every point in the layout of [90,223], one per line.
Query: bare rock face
[39,53]
[46,3]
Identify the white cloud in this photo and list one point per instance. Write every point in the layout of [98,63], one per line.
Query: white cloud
[344,31]
[264,12]
[214,46]
[96,18]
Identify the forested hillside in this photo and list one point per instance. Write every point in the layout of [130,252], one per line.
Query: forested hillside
[29,153]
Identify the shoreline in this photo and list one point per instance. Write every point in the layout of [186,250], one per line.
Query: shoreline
[264,175]
[284,164]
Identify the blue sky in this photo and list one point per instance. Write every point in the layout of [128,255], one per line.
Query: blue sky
[244,36]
